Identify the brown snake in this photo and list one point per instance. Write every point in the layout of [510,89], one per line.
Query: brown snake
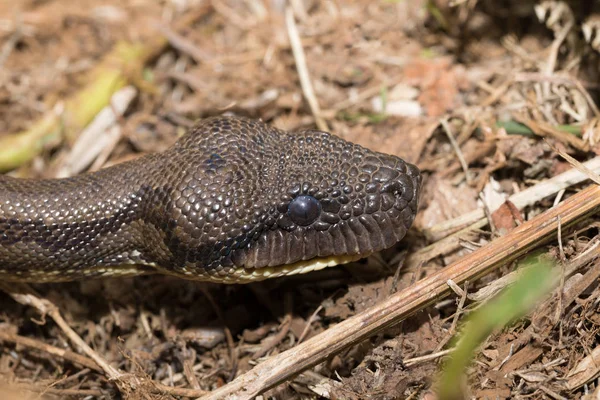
[233,200]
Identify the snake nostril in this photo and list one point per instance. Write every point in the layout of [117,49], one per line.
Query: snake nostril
[402,187]
[393,187]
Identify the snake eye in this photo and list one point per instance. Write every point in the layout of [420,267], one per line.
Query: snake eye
[303,210]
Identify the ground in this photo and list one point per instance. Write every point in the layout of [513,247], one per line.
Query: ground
[481,95]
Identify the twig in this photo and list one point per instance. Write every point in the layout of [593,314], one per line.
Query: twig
[10,44]
[592,175]
[464,294]
[302,69]
[428,357]
[551,393]
[313,316]
[80,393]
[406,302]
[459,310]
[401,258]
[559,309]
[496,92]
[557,78]
[159,388]
[55,351]
[545,129]
[233,17]
[183,45]
[488,214]
[387,84]
[457,150]
[588,98]
[273,341]
[553,56]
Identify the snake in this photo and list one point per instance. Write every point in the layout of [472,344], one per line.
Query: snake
[233,200]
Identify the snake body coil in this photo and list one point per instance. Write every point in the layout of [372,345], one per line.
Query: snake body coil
[233,200]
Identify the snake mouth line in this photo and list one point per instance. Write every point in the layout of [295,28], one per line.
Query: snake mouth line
[240,275]
[245,275]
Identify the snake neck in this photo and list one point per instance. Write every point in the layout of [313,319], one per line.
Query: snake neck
[91,220]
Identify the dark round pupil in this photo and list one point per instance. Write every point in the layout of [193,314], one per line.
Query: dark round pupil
[303,210]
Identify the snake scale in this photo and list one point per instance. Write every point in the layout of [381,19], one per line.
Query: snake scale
[233,200]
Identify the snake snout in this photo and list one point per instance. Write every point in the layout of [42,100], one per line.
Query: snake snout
[403,188]
[399,185]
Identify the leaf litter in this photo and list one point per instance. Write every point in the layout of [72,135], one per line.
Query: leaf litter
[508,79]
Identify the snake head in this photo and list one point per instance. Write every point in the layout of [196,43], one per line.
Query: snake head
[278,203]
[232,201]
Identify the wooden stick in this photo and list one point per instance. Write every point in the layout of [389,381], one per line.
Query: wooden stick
[52,350]
[402,304]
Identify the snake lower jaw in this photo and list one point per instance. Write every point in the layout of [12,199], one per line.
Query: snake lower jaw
[245,275]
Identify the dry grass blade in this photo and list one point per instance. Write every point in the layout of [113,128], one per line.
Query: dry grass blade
[405,303]
[523,198]
[300,59]
[461,158]
[579,166]
[546,130]
[97,135]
